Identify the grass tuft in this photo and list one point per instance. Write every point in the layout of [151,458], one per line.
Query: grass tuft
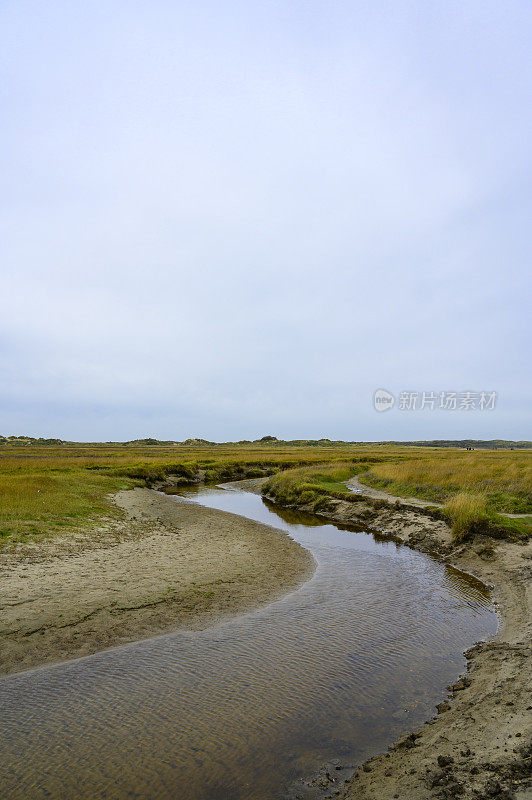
[468,514]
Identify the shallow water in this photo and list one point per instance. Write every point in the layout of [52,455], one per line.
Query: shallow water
[247,709]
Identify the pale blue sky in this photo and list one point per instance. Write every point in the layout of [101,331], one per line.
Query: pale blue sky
[232,219]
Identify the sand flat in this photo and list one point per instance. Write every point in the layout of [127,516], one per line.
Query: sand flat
[167,564]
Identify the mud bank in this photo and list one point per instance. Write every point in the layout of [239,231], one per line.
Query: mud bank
[165,565]
[480,743]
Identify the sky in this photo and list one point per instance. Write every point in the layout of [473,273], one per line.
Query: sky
[229,220]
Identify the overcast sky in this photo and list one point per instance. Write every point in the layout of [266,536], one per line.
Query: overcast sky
[235,219]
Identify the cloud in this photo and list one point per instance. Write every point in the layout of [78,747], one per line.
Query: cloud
[253,216]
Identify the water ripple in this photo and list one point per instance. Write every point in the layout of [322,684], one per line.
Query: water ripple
[342,666]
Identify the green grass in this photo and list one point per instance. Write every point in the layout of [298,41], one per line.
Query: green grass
[507,528]
[54,488]
[312,485]
[45,502]
[58,489]
[468,513]
[503,478]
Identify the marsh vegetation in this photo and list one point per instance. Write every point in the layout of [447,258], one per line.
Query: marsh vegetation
[53,488]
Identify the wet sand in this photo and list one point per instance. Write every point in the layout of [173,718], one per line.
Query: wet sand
[174,565]
[249,709]
[480,744]
[164,565]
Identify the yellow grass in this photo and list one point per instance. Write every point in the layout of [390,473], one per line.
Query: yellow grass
[466,511]
[50,488]
[504,477]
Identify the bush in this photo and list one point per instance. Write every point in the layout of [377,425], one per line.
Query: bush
[468,514]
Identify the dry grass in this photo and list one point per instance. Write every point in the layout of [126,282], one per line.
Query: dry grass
[51,488]
[466,512]
[503,477]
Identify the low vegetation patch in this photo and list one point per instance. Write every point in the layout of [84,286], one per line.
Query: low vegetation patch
[54,487]
[60,488]
[467,513]
[43,502]
[314,485]
[502,477]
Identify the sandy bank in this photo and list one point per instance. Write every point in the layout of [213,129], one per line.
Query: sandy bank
[253,485]
[167,564]
[480,743]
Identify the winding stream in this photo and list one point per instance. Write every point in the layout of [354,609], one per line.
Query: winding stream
[250,709]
